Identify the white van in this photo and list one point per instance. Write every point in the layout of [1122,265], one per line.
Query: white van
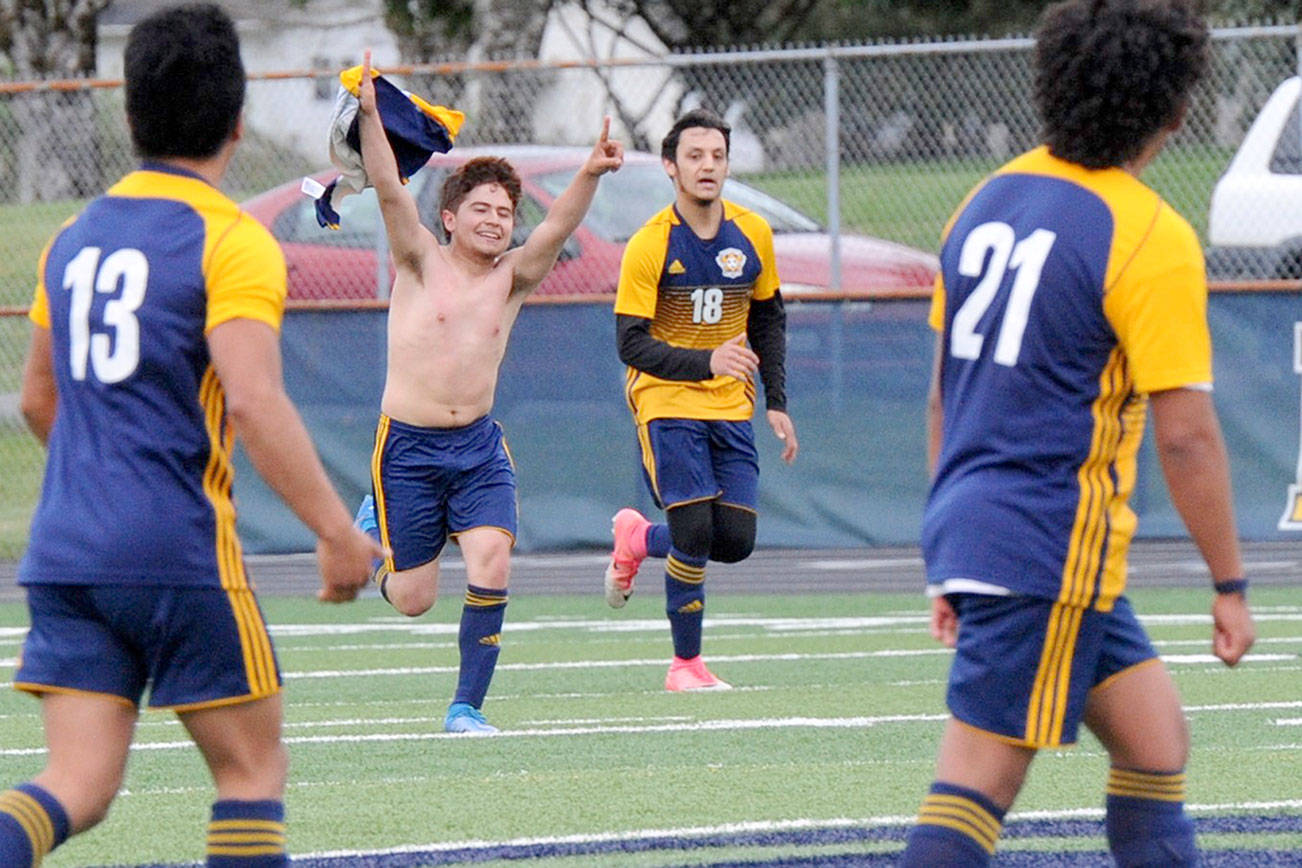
[1255,222]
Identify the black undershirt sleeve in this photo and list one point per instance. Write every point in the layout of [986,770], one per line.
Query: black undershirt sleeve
[766,330]
[638,349]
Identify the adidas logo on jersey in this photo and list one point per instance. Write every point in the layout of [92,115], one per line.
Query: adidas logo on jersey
[676,267]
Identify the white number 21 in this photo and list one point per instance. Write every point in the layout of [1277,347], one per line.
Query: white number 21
[1027,258]
[112,360]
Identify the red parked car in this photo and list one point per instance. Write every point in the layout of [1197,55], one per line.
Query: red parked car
[344,264]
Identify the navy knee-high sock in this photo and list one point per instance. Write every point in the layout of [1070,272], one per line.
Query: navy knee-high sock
[957,828]
[480,639]
[685,601]
[658,541]
[1146,822]
[247,834]
[32,823]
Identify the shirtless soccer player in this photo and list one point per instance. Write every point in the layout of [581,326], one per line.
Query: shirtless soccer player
[441,467]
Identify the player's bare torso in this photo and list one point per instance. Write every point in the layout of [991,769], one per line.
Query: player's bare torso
[448,327]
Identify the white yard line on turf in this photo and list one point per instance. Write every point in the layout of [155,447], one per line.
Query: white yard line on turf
[625,729]
[690,726]
[722,658]
[422,628]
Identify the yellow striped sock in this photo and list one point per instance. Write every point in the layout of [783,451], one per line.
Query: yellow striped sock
[32,818]
[962,815]
[1162,786]
[683,572]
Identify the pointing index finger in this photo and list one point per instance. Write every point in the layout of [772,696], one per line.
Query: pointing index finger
[605,130]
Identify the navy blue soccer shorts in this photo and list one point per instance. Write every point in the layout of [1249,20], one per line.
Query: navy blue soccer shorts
[690,460]
[432,483]
[1025,666]
[194,647]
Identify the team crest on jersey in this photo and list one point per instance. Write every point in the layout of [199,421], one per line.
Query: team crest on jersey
[731,261]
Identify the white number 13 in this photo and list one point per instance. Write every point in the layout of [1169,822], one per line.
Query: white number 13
[112,360]
[1027,258]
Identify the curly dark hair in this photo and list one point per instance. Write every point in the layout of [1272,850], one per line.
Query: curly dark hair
[697,117]
[1110,74]
[472,173]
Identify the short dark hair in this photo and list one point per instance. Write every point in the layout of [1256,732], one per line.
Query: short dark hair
[472,173]
[1110,74]
[184,82]
[697,117]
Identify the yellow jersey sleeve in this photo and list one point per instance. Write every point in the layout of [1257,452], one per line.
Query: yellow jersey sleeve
[757,229]
[246,276]
[40,309]
[936,315]
[639,271]
[1158,308]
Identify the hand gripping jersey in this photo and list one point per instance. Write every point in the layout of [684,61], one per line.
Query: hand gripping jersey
[697,295]
[1065,296]
[138,479]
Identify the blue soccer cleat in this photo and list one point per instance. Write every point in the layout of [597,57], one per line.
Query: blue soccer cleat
[366,520]
[367,523]
[464,718]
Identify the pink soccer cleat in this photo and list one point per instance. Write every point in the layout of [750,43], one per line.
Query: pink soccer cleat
[691,674]
[629,527]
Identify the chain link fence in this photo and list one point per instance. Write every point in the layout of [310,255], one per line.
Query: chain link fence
[858,154]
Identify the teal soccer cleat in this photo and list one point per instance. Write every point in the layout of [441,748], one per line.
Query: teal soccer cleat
[464,718]
[367,523]
[365,519]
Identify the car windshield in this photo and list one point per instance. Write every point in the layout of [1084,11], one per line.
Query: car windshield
[628,198]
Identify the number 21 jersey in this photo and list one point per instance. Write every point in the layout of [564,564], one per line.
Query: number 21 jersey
[138,478]
[1065,296]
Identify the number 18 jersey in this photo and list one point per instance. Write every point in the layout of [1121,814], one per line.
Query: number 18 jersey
[138,478]
[1065,296]
[697,294]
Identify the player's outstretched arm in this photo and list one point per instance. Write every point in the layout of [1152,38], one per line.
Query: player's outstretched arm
[1194,461]
[246,356]
[538,254]
[409,240]
[39,397]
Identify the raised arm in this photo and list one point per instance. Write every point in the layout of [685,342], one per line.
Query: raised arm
[409,240]
[1192,453]
[538,254]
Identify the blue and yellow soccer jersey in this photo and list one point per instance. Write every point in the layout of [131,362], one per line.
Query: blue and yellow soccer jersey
[1065,296]
[138,479]
[697,295]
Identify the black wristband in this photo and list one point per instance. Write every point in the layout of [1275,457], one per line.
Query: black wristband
[1231,586]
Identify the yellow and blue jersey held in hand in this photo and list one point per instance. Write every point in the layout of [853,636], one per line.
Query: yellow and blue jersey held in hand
[697,294]
[138,481]
[415,128]
[1066,296]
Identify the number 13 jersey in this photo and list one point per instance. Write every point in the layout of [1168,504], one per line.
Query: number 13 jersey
[138,478]
[1065,296]
[697,294]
